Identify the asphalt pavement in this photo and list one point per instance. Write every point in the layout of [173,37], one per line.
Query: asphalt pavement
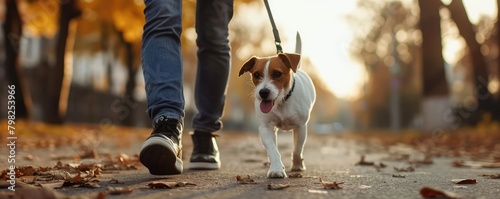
[329,157]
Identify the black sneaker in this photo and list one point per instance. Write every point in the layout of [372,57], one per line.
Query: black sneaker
[205,152]
[162,150]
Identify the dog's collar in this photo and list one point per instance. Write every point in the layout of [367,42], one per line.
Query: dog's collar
[290,92]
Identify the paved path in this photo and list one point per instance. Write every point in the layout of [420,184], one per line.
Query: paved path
[328,157]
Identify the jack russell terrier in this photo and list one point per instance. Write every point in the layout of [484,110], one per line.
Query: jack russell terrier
[284,96]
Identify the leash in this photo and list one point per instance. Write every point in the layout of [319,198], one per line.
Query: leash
[277,40]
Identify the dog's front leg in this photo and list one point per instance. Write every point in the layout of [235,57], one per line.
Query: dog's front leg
[300,136]
[268,136]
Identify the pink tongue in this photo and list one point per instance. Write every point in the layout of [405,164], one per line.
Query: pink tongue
[266,106]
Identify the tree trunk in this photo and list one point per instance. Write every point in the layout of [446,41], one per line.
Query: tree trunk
[498,38]
[12,38]
[466,29]
[435,100]
[129,97]
[60,75]
[434,76]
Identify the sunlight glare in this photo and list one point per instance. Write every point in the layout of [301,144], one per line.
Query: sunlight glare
[326,37]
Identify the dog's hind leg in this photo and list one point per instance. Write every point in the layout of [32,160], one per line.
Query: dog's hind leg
[268,136]
[300,136]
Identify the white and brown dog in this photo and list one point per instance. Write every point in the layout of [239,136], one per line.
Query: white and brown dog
[284,96]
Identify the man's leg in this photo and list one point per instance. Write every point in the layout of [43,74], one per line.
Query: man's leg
[162,68]
[212,19]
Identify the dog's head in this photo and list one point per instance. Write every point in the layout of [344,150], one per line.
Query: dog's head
[272,77]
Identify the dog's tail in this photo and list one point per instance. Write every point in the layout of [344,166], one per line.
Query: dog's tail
[298,47]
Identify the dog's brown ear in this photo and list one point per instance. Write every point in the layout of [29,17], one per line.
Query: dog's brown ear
[291,60]
[247,65]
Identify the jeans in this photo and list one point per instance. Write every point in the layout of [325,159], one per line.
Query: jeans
[162,60]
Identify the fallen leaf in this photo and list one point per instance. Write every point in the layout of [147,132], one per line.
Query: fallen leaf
[52,185]
[365,186]
[277,186]
[475,164]
[89,185]
[398,176]
[491,176]
[155,185]
[464,181]
[245,180]
[118,190]
[28,179]
[295,175]
[251,160]
[115,181]
[379,166]
[428,192]
[317,191]
[330,185]
[405,169]
[363,162]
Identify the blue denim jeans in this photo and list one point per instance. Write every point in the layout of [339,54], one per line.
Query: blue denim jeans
[162,60]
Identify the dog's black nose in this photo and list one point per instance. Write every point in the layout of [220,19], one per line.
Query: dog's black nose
[264,93]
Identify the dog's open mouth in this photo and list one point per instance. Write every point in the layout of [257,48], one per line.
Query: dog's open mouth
[266,105]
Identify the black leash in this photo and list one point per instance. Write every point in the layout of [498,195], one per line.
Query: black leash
[277,40]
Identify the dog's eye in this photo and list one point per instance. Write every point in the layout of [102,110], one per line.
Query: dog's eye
[277,74]
[256,75]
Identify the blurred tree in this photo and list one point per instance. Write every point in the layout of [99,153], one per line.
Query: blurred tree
[496,112]
[60,75]
[466,29]
[434,82]
[389,49]
[12,28]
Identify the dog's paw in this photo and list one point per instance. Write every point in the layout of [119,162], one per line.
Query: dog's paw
[276,174]
[298,164]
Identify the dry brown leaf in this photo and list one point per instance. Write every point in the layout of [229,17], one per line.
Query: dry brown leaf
[330,185]
[379,166]
[245,180]
[277,186]
[118,190]
[169,185]
[115,181]
[475,164]
[491,176]
[464,181]
[398,176]
[78,181]
[428,192]
[363,162]
[295,175]
[405,169]
[52,185]
[28,179]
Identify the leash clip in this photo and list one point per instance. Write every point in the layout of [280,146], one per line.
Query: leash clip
[279,49]
[277,40]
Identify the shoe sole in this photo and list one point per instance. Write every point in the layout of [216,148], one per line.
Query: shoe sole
[204,166]
[159,156]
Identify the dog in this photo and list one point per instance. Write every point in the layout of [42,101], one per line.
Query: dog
[284,97]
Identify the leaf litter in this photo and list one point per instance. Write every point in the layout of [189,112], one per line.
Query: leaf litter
[491,176]
[169,185]
[277,186]
[330,185]
[428,192]
[245,180]
[464,181]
